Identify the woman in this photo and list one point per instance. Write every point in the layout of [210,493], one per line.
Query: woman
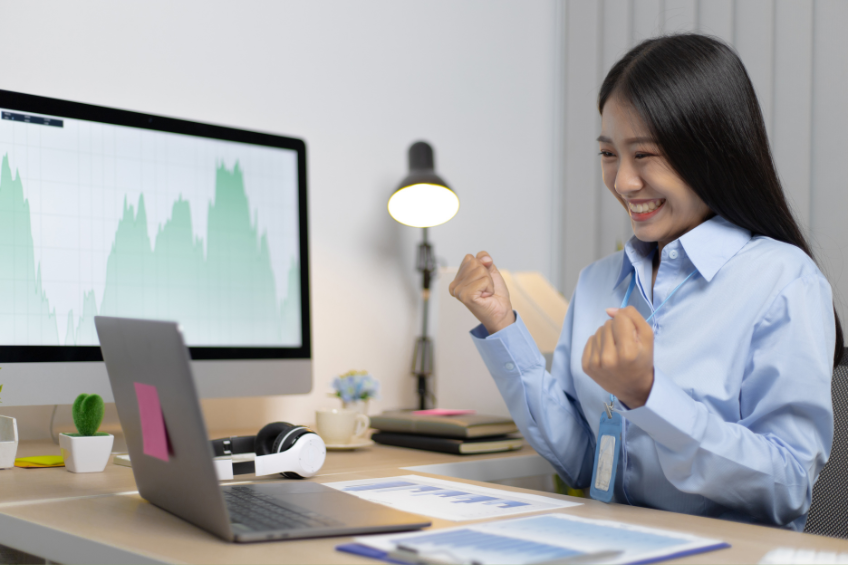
[710,385]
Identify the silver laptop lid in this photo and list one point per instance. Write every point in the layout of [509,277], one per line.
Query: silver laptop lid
[147,360]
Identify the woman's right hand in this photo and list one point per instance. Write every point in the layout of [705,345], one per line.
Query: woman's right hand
[480,286]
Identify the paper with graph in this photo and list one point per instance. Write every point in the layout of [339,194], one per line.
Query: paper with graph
[447,500]
[543,539]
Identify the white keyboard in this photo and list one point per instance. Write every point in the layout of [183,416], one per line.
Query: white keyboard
[791,555]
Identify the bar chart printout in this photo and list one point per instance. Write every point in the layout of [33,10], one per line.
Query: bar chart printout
[540,539]
[447,500]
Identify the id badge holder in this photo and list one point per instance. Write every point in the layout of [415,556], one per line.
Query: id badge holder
[606,456]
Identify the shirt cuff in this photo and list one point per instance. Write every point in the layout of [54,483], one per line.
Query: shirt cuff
[670,416]
[508,352]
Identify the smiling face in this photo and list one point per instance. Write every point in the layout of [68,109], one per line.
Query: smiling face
[661,206]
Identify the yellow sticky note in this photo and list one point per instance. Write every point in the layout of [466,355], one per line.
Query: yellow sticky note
[40,461]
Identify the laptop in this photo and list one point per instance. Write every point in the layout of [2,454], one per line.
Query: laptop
[153,353]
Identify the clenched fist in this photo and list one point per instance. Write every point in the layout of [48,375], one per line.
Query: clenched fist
[480,286]
[620,356]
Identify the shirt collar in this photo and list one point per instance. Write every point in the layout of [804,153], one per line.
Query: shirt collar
[635,251]
[709,246]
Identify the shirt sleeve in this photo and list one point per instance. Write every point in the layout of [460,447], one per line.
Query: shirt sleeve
[766,463]
[544,408]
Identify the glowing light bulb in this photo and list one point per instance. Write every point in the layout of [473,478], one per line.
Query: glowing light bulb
[423,205]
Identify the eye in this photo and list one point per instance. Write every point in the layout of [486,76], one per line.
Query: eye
[604,153]
[642,155]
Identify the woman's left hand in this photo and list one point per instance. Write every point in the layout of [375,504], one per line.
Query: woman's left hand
[620,356]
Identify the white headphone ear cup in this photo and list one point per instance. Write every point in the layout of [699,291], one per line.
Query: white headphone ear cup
[311,452]
[303,459]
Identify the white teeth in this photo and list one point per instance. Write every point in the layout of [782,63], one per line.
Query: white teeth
[649,206]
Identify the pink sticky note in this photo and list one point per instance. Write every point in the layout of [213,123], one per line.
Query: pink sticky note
[443,412]
[152,422]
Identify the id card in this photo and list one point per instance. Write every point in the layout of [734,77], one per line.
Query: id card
[606,457]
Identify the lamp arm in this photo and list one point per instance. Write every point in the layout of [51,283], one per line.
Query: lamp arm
[422,361]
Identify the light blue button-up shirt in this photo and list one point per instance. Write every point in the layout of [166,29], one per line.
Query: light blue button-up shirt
[739,421]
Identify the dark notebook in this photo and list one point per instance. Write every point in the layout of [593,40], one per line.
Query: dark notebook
[462,426]
[450,445]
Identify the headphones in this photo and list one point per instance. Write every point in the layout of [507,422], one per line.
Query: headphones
[296,452]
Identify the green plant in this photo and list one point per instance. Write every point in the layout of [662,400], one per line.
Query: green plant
[1,390]
[88,414]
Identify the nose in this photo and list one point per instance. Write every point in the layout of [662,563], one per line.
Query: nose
[627,179]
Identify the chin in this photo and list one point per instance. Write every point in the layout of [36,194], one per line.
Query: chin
[646,235]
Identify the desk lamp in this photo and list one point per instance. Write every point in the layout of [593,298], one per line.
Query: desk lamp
[423,200]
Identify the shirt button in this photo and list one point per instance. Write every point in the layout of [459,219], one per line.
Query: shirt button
[509,366]
[672,254]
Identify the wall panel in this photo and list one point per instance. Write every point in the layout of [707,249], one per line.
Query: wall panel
[680,16]
[647,20]
[829,183]
[792,118]
[715,17]
[580,214]
[753,39]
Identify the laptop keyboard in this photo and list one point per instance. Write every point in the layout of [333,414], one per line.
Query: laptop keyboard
[261,512]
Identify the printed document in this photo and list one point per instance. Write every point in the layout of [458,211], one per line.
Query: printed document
[447,500]
[540,539]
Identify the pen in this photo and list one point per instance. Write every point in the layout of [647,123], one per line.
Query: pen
[435,557]
[444,557]
[585,558]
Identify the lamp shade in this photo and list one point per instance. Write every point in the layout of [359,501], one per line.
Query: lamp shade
[423,199]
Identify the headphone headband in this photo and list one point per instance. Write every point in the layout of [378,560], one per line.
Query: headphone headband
[233,445]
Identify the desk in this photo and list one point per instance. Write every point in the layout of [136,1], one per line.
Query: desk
[99,518]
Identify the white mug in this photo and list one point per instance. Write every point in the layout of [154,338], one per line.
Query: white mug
[338,426]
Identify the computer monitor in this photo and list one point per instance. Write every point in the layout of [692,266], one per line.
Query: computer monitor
[105,211]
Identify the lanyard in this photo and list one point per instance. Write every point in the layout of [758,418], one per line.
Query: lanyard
[633,285]
[610,431]
[608,406]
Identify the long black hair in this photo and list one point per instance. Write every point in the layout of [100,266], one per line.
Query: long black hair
[694,95]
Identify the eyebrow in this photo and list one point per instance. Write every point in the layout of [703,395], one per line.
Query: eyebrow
[631,141]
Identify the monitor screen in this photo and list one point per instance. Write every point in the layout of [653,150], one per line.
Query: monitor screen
[116,213]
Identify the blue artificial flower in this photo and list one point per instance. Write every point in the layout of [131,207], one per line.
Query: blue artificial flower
[356,385]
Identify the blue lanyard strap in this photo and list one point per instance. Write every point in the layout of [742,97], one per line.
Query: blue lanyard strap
[608,407]
[633,285]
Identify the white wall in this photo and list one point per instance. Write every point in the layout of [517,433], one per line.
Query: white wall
[359,81]
[796,52]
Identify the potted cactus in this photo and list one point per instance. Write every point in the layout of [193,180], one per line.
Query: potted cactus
[87,451]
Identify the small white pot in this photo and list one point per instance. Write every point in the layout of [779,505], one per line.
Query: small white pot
[86,454]
[8,441]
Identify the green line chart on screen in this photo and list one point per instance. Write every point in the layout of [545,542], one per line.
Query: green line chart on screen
[222,285]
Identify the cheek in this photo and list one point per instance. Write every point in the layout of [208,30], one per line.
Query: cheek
[608,173]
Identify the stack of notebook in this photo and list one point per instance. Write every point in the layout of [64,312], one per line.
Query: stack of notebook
[462,434]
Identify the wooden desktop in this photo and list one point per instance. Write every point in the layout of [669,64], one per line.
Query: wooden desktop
[99,518]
